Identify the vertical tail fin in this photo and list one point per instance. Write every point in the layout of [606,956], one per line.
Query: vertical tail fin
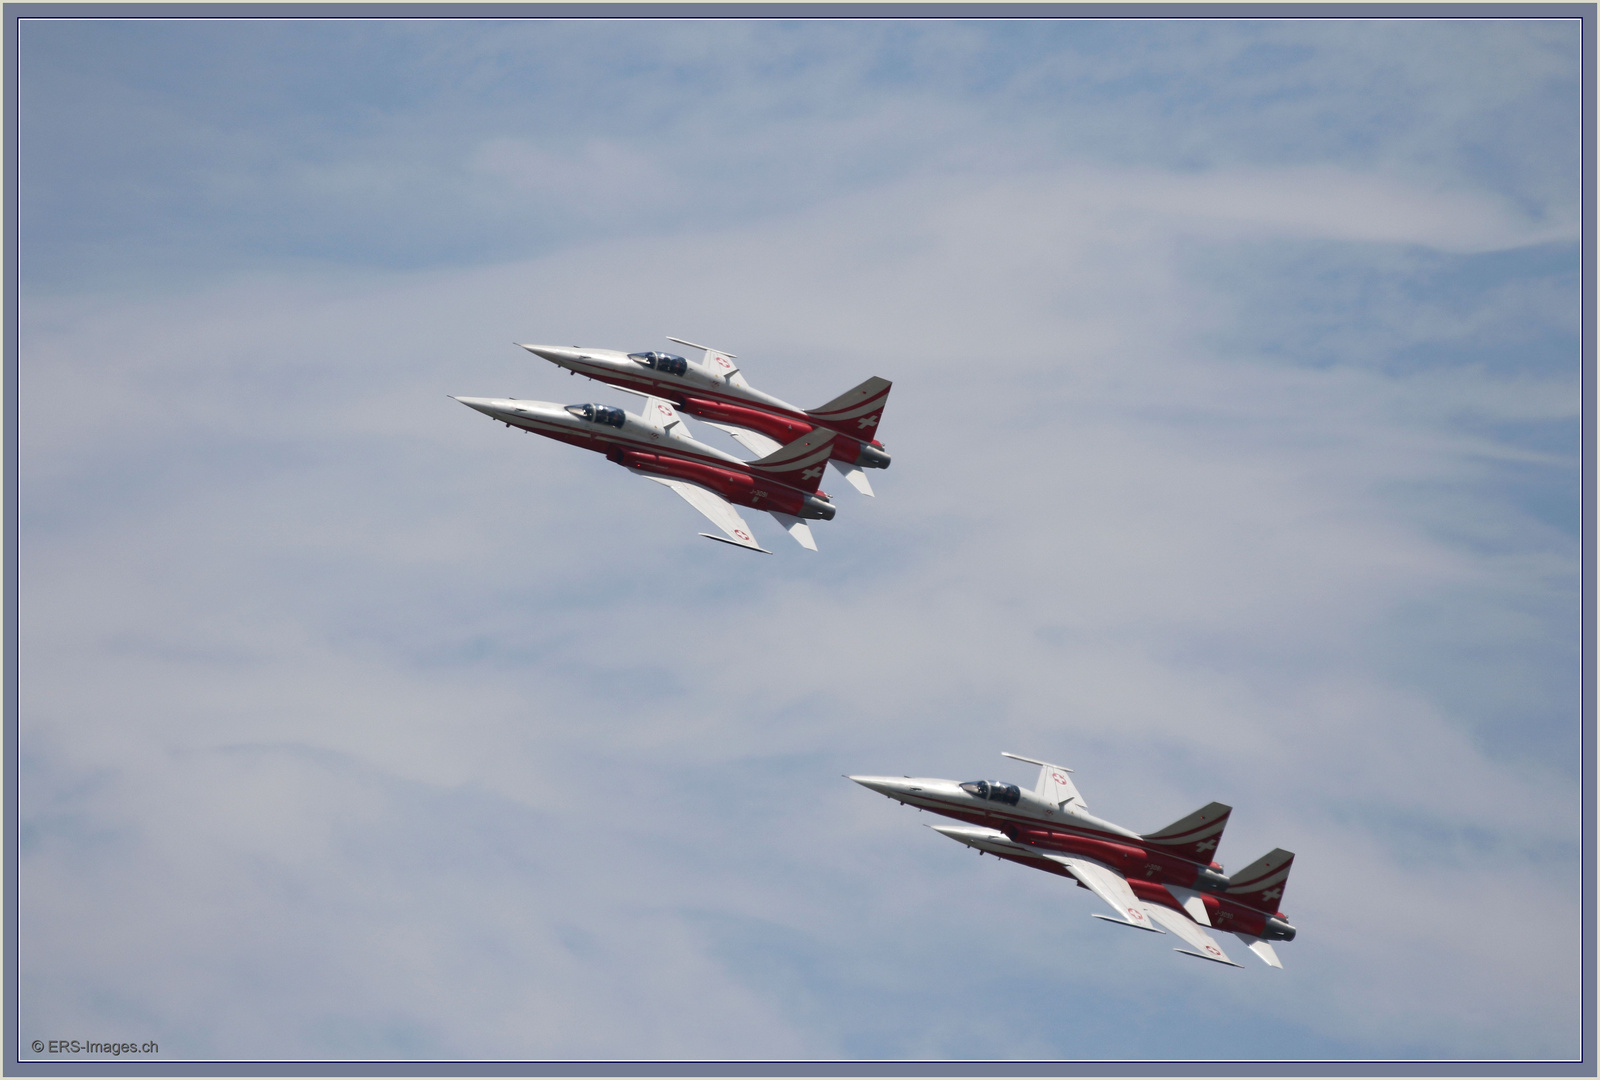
[855,412]
[800,463]
[1194,837]
[1260,885]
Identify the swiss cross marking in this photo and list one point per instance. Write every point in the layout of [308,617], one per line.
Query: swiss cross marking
[1206,845]
[1272,894]
[867,421]
[741,534]
[812,474]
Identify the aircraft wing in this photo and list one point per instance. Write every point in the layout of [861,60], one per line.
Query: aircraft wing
[1053,786]
[718,509]
[1189,931]
[753,441]
[1111,887]
[660,414]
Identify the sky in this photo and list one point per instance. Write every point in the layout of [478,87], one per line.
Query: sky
[1235,435]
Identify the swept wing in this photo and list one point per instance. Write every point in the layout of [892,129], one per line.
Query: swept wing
[1114,889]
[1205,945]
[1053,786]
[1109,886]
[753,441]
[718,509]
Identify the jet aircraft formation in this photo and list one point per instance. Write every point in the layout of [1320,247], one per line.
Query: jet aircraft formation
[1164,881]
[791,444]
[1160,881]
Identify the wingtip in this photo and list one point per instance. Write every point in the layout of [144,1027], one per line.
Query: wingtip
[735,543]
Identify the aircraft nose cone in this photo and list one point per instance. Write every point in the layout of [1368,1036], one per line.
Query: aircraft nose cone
[483,405]
[554,353]
[883,785]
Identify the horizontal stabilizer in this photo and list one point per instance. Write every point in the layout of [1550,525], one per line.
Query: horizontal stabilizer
[1192,902]
[1262,949]
[796,528]
[855,475]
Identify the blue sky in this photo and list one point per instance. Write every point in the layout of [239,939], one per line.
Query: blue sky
[1235,427]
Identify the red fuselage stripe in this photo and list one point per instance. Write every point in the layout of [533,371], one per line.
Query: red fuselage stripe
[790,424]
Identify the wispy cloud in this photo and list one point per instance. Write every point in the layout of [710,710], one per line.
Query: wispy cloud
[354,725]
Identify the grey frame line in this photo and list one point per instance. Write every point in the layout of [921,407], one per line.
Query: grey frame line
[1584,13]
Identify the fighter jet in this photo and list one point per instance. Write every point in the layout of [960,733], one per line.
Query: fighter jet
[657,445]
[1153,881]
[714,390]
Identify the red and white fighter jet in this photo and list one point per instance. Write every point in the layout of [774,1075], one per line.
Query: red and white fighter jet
[1153,881]
[657,445]
[715,391]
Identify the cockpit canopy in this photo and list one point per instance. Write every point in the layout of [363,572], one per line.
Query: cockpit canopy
[661,361]
[993,790]
[599,414]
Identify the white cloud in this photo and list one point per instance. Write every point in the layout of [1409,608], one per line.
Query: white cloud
[474,730]
[1333,203]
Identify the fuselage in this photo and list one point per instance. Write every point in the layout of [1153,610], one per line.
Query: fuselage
[1027,820]
[1222,912]
[719,396]
[642,447]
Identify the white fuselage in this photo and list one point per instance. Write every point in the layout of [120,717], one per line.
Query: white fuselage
[554,421]
[718,382]
[948,798]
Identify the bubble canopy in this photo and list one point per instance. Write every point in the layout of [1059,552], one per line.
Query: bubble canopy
[993,790]
[598,414]
[670,363]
